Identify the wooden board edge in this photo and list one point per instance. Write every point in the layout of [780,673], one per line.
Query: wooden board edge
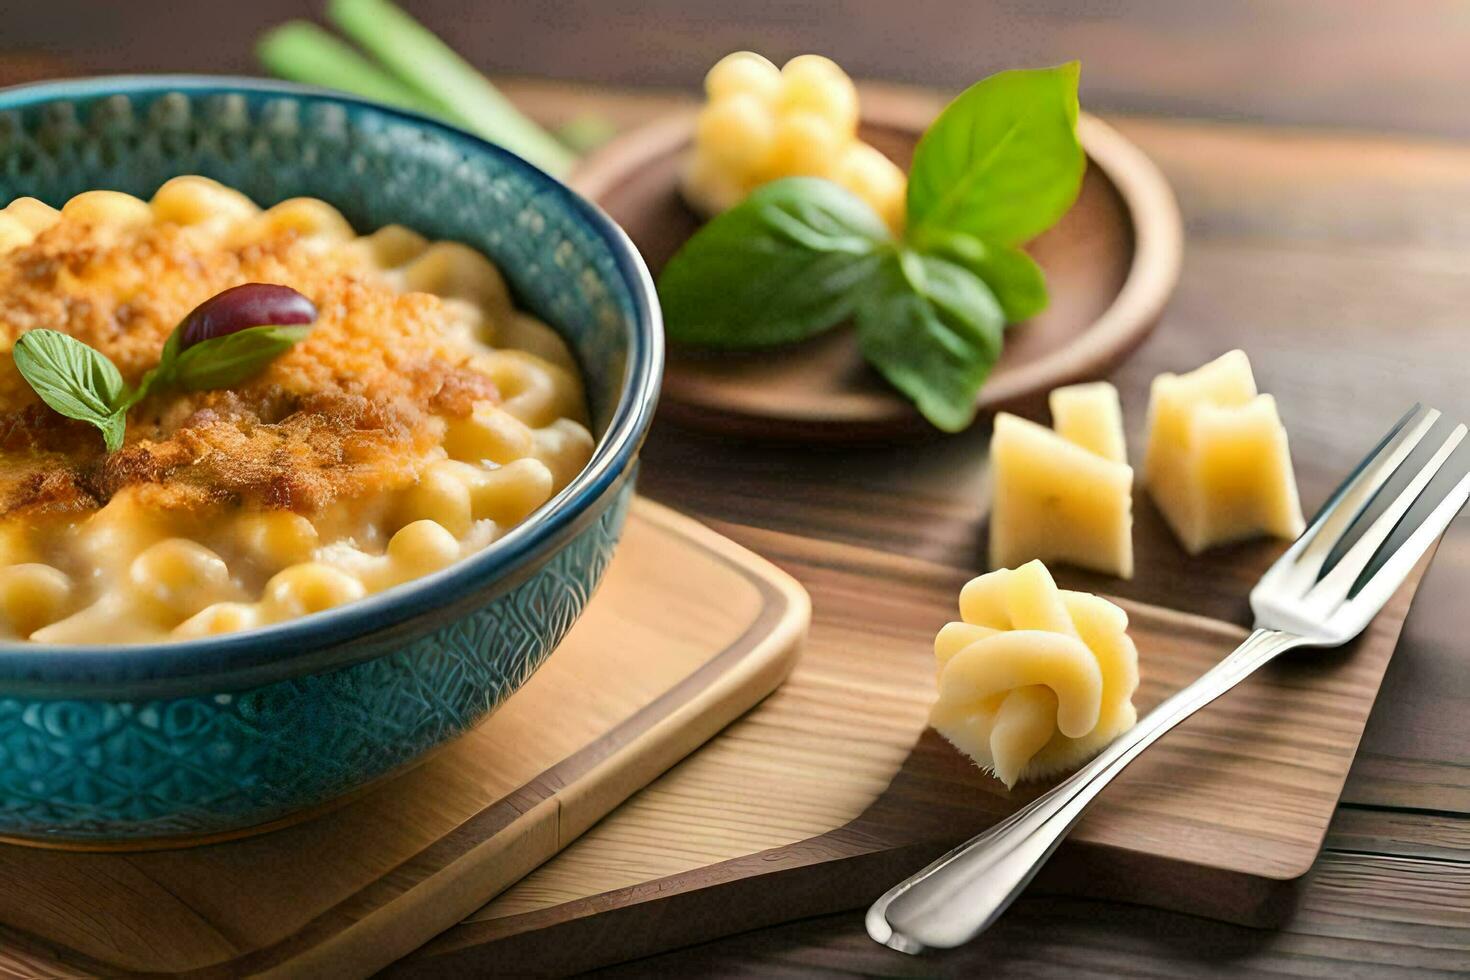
[849,867]
[534,825]
[786,617]
[840,871]
[697,708]
[1266,889]
[827,873]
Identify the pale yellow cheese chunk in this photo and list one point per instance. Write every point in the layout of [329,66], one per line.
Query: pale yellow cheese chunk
[1091,416]
[1063,496]
[1033,680]
[1218,464]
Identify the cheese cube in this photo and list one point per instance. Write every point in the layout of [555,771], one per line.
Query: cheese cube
[1033,680]
[1065,495]
[1091,416]
[1218,464]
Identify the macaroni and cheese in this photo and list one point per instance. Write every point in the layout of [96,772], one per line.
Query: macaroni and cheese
[422,417]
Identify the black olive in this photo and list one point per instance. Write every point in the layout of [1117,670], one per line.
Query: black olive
[254,304]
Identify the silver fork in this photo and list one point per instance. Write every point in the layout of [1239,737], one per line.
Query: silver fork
[1322,592]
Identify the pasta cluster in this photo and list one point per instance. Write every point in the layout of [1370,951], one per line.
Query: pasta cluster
[449,417]
[762,123]
[1034,680]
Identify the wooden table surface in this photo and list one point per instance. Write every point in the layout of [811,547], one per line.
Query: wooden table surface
[1327,204]
[1338,262]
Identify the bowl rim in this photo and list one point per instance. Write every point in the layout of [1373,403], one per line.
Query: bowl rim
[484,575]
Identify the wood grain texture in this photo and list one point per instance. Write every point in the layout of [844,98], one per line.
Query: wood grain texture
[1110,265]
[1321,62]
[1367,254]
[1347,288]
[1336,258]
[779,818]
[1268,243]
[687,631]
[1362,916]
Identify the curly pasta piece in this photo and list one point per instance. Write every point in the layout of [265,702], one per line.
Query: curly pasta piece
[1034,679]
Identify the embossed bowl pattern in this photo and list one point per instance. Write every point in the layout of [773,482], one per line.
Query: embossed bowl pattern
[208,737]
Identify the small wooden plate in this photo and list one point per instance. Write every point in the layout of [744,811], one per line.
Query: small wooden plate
[1111,264]
[687,631]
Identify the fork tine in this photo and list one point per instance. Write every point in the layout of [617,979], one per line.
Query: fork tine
[1309,556]
[1335,586]
[1380,585]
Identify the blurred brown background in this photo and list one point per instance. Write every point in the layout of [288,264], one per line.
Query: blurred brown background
[1338,259]
[1378,65]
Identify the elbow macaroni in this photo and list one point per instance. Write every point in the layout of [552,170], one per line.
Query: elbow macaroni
[131,572]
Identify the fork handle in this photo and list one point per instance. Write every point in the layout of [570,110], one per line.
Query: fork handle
[961,894]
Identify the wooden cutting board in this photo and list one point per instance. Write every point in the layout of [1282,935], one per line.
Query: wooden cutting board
[833,789]
[687,632]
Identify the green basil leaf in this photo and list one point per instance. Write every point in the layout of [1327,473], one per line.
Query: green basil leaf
[229,360]
[167,356]
[1013,276]
[76,380]
[157,375]
[1002,161]
[114,427]
[933,329]
[786,263]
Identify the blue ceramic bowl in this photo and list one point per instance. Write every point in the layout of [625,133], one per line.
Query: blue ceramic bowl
[204,737]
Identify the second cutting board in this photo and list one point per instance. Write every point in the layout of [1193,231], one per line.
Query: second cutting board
[834,789]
